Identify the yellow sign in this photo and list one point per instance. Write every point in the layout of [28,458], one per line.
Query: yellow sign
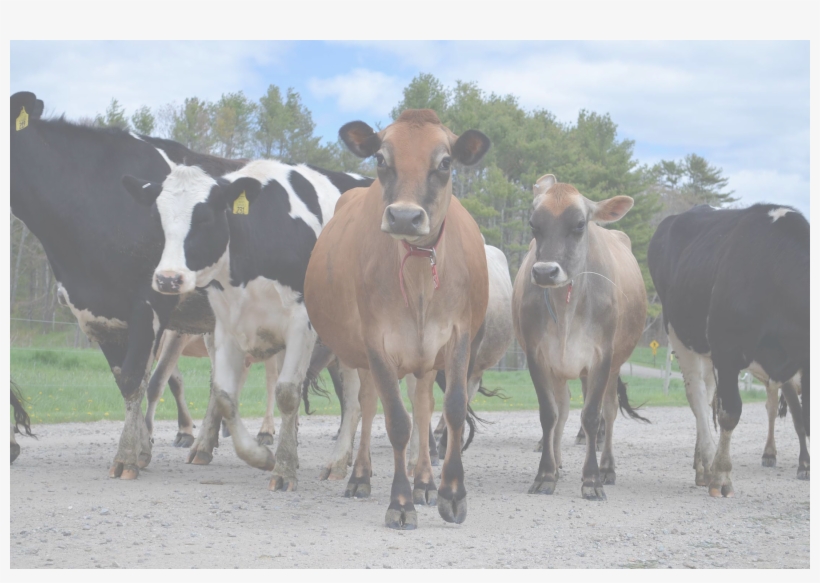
[241,206]
[654,346]
[22,120]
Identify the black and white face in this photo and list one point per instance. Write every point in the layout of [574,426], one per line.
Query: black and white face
[193,209]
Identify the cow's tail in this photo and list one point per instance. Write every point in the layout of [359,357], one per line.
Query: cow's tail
[313,385]
[783,408]
[623,403]
[20,415]
[472,418]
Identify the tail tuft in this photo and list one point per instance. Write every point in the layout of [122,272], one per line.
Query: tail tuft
[623,403]
[313,385]
[20,415]
[783,409]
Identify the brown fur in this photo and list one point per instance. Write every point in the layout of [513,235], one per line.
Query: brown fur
[354,301]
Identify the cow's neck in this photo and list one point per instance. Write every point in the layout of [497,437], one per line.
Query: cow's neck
[418,263]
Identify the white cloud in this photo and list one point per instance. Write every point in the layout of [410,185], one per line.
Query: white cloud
[80,78]
[771,186]
[360,91]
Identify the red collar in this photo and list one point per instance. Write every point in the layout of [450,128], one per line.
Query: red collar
[415,251]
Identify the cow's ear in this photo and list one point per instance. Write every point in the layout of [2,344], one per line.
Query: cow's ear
[144,192]
[25,108]
[470,147]
[611,209]
[360,139]
[543,184]
[238,196]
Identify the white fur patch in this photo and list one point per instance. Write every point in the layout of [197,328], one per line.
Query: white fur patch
[779,213]
[354,175]
[85,317]
[182,190]
[162,153]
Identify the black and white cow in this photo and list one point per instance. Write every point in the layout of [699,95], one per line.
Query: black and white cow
[247,237]
[735,291]
[66,186]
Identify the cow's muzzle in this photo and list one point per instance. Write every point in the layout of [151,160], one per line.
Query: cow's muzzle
[168,282]
[405,221]
[548,274]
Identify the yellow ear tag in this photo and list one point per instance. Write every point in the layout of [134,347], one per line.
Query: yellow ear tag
[241,206]
[22,120]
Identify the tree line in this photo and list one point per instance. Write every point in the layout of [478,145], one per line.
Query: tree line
[586,152]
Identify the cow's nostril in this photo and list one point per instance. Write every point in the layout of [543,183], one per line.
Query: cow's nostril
[417,220]
[552,272]
[390,217]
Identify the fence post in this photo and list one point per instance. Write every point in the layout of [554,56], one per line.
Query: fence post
[667,371]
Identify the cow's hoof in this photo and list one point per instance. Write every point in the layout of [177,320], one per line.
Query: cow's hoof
[802,473]
[115,471]
[334,471]
[425,494]
[264,438]
[183,440]
[130,472]
[282,484]
[593,491]
[608,477]
[542,486]
[199,457]
[15,451]
[357,488]
[143,460]
[722,488]
[453,509]
[402,519]
[769,461]
[702,479]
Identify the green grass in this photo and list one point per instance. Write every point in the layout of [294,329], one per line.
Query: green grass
[76,385]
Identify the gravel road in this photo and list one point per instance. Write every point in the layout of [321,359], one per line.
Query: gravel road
[65,512]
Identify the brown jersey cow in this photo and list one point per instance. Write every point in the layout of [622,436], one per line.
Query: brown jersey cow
[397,284]
[579,307]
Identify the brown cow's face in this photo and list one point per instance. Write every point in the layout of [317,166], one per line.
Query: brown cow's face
[560,225]
[414,162]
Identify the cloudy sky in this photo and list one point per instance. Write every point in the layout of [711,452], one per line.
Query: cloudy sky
[744,106]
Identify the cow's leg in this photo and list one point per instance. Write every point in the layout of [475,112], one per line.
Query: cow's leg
[336,468]
[729,407]
[562,397]
[424,486]
[592,487]
[610,412]
[201,452]
[268,429]
[772,401]
[359,484]
[131,365]
[804,396]
[301,338]
[452,495]
[790,393]
[229,374]
[581,437]
[401,514]
[699,382]
[336,377]
[167,371]
[412,453]
[545,385]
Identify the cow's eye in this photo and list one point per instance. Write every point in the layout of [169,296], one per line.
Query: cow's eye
[580,226]
[380,161]
[444,165]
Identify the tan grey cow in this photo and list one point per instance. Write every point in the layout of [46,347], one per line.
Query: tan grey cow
[579,306]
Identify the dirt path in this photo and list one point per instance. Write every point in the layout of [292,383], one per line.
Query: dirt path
[65,512]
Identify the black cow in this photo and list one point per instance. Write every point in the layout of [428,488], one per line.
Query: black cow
[735,291]
[66,186]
